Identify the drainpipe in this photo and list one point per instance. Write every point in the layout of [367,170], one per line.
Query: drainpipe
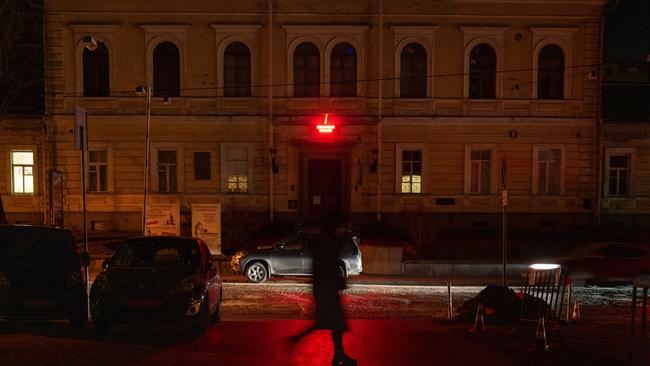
[599,126]
[270,106]
[379,105]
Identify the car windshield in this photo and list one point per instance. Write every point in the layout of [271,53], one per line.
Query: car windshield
[157,252]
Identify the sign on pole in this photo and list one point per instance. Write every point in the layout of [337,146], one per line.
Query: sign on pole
[206,225]
[80,130]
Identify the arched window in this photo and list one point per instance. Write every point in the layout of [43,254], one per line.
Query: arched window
[95,71]
[550,73]
[306,71]
[343,71]
[482,72]
[237,70]
[166,70]
[413,72]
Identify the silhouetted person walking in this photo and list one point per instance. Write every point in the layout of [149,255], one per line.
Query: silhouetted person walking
[327,282]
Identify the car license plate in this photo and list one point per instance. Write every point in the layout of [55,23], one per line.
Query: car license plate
[40,304]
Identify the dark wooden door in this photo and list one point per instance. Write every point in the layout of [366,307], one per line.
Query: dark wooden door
[324,188]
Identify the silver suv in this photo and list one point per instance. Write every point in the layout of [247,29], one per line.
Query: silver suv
[292,256]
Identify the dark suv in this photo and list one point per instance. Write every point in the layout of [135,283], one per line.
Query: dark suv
[292,256]
[40,275]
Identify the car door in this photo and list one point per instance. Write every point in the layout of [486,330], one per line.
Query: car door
[287,256]
[212,275]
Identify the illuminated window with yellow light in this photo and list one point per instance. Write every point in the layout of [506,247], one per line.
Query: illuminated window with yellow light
[236,166]
[22,171]
[411,171]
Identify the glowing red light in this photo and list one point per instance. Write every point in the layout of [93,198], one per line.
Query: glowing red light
[325,128]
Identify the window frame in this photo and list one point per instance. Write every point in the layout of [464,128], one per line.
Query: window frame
[399,149]
[34,174]
[224,166]
[561,37]
[320,72]
[180,166]
[549,70]
[493,36]
[104,33]
[631,154]
[494,168]
[535,170]
[344,83]
[176,34]
[426,78]
[97,53]
[423,35]
[246,34]
[109,167]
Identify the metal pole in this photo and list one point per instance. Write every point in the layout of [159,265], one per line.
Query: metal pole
[504,235]
[270,111]
[146,161]
[83,209]
[380,74]
[450,311]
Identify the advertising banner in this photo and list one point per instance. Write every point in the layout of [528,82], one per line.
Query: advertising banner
[206,224]
[163,219]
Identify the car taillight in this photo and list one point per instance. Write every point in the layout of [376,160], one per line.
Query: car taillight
[4,281]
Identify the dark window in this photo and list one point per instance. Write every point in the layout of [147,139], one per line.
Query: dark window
[306,71]
[167,179]
[343,71]
[95,71]
[166,70]
[202,166]
[550,73]
[237,70]
[482,72]
[413,72]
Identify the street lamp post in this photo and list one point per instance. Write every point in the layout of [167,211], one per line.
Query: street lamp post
[145,90]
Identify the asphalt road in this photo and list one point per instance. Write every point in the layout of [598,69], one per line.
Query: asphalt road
[389,325]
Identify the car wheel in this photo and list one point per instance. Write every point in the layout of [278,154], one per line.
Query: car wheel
[216,317]
[256,272]
[204,318]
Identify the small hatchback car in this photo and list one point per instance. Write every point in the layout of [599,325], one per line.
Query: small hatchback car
[40,275]
[292,256]
[158,280]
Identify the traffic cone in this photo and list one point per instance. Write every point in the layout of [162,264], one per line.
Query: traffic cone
[479,321]
[575,314]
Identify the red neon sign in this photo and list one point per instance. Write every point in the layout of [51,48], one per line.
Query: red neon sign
[325,128]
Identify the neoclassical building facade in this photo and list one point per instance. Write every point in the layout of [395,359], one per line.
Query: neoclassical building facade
[429,108]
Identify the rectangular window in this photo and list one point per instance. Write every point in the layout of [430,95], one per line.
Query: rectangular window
[202,166]
[411,171]
[480,171]
[167,175]
[22,169]
[549,171]
[619,172]
[97,171]
[237,169]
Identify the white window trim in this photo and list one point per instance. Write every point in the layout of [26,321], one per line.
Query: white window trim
[493,36]
[110,177]
[35,171]
[561,37]
[156,34]
[180,165]
[246,34]
[535,172]
[494,169]
[224,173]
[325,37]
[424,36]
[101,33]
[399,148]
[631,152]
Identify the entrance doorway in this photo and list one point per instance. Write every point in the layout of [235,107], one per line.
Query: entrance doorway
[324,189]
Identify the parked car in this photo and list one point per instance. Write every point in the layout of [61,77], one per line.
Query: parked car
[292,256]
[605,262]
[158,280]
[40,275]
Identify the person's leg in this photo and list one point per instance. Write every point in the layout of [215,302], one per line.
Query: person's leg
[337,337]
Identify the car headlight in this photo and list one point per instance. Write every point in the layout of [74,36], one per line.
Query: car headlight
[4,281]
[234,261]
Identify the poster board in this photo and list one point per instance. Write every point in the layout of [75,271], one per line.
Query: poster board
[206,225]
[163,219]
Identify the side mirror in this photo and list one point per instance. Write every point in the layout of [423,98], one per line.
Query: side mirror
[85,259]
[105,263]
